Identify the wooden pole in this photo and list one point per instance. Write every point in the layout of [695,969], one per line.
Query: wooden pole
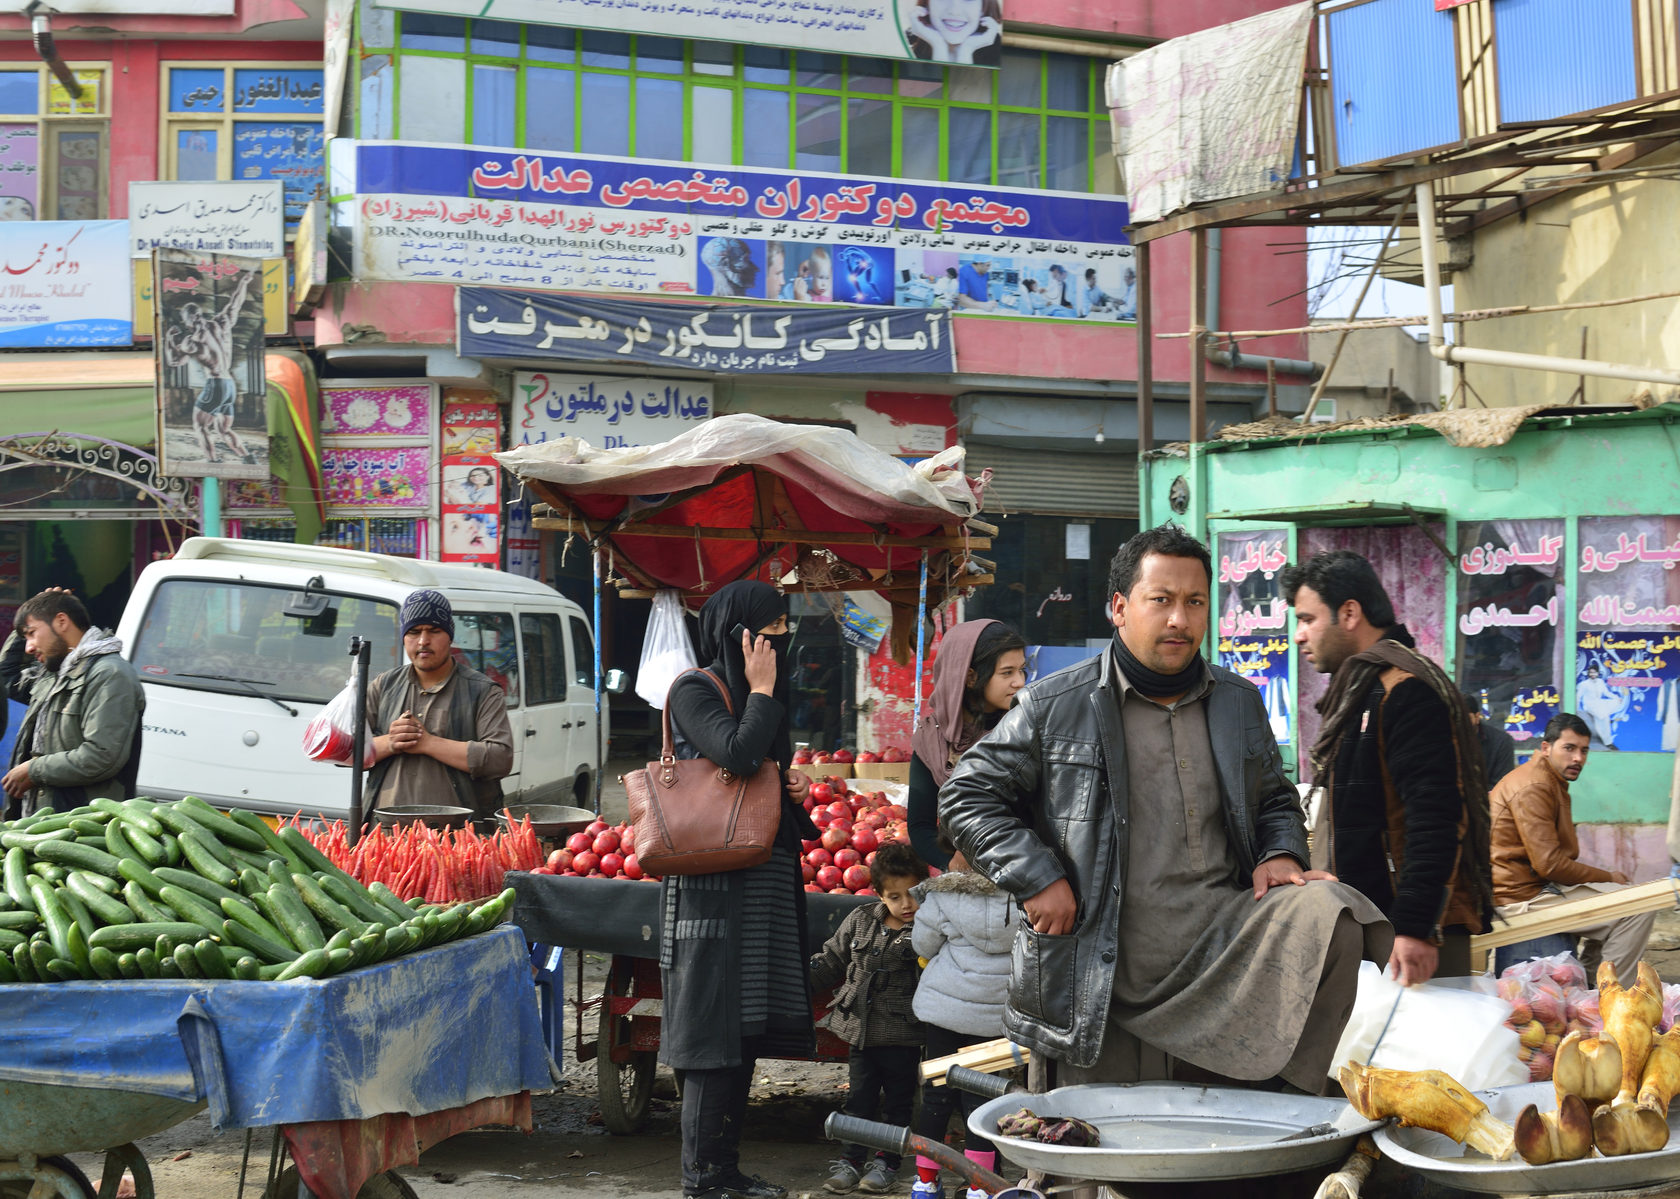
[1198,335]
[1145,354]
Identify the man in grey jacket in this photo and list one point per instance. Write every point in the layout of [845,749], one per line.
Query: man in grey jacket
[80,738]
[1136,806]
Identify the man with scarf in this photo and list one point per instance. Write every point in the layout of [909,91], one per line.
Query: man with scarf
[1136,806]
[80,738]
[1401,765]
[443,732]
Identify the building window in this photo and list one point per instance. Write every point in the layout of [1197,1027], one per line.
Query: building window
[247,121]
[54,149]
[1038,122]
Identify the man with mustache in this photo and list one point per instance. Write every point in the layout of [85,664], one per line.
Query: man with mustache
[1136,805]
[1401,765]
[1536,857]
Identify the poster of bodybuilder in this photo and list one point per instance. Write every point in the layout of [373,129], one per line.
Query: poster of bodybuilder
[211,386]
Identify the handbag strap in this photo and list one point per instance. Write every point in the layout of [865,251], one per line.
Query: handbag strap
[668,749]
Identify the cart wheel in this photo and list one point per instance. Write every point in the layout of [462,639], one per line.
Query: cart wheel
[625,1088]
[19,1189]
[389,1185]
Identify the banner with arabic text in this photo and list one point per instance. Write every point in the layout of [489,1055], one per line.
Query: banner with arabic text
[68,284]
[1510,620]
[738,340]
[1254,619]
[971,34]
[574,222]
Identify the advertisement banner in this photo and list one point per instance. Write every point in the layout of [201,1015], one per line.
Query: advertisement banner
[67,283]
[1253,619]
[729,340]
[970,33]
[1627,688]
[608,411]
[275,319]
[240,217]
[573,222]
[472,482]
[375,477]
[400,410]
[212,388]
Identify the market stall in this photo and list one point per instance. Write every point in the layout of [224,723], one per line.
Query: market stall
[159,959]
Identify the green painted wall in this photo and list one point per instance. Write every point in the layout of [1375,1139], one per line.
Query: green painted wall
[1565,467]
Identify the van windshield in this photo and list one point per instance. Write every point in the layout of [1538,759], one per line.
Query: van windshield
[243,633]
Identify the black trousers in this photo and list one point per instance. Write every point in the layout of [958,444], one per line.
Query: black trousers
[883,1087]
[938,1103]
[714,1105]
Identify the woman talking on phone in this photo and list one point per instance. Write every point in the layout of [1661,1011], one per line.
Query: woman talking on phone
[733,956]
[968,32]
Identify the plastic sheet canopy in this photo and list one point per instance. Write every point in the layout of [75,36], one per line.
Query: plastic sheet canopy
[742,496]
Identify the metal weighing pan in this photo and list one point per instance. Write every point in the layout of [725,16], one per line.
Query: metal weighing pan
[1443,1160]
[548,821]
[1174,1132]
[438,816]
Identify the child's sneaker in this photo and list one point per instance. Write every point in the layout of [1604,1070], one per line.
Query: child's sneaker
[975,1193]
[879,1178]
[842,1178]
[926,1190]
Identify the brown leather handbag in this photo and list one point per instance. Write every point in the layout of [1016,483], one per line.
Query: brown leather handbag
[692,816]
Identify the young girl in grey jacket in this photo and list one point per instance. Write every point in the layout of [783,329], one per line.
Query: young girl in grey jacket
[964,929]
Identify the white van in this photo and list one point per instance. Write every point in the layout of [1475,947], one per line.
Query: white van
[240,643]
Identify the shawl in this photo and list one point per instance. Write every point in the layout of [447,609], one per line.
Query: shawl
[946,731]
[1345,700]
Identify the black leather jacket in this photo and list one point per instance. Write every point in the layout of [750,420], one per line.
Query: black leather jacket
[1044,797]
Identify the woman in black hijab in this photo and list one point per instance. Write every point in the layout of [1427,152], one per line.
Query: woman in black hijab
[733,955]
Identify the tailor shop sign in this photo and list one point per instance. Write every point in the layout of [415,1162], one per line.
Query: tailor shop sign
[570,222]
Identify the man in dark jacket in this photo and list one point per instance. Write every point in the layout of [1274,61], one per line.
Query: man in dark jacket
[1401,765]
[1136,806]
[1499,750]
[80,738]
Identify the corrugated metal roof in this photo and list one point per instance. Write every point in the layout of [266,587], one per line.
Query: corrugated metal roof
[1558,57]
[1393,79]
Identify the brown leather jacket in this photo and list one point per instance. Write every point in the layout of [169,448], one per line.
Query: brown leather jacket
[1534,835]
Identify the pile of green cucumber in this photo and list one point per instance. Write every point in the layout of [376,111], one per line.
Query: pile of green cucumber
[142,889]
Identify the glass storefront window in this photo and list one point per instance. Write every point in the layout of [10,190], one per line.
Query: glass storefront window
[1511,620]
[660,98]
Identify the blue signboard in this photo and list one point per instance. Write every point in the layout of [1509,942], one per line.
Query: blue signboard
[735,340]
[290,151]
[573,222]
[277,89]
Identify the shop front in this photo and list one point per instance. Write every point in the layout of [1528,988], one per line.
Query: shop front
[1537,562]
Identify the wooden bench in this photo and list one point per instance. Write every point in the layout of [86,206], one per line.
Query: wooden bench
[1655,896]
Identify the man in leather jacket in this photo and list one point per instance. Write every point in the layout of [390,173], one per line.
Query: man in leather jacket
[1137,807]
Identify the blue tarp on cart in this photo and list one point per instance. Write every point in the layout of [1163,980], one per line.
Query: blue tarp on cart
[422,1033]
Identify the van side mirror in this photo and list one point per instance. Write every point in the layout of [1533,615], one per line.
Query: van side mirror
[617,682]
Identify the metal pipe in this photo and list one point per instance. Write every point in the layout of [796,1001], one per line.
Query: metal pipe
[600,565]
[1198,335]
[1146,355]
[1438,347]
[921,642]
[1230,357]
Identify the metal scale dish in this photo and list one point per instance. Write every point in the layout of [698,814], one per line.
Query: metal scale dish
[1174,1132]
[1443,1160]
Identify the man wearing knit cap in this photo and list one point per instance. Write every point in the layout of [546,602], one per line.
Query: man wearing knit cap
[446,736]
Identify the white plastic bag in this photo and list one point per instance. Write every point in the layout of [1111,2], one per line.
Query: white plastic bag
[331,736]
[666,652]
[1439,1025]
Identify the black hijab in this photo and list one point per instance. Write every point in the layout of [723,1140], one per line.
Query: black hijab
[754,605]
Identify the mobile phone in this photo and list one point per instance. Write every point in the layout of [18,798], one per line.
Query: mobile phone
[738,632]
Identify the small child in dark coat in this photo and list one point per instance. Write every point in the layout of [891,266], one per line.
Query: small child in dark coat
[872,964]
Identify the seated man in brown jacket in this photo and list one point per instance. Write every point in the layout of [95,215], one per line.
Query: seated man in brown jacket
[1536,856]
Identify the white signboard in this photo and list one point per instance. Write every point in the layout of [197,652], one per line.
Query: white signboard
[1210,115]
[969,33]
[608,411]
[245,218]
[65,283]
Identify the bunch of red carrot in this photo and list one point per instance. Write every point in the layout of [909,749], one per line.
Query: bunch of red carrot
[415,861]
